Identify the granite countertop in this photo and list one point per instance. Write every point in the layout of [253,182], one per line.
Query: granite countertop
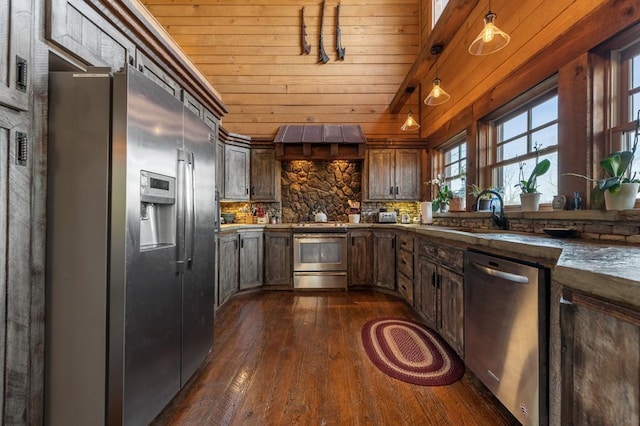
[608,270]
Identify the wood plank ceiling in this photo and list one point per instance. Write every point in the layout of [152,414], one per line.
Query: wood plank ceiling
[251,52]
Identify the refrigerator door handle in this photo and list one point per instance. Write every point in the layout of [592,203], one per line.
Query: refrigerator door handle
[182,197]
[191,214]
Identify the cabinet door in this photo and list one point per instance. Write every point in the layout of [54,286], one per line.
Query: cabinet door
[159,76]
[428,292]
[599,362]
[236,173]
[451,321]
[360,258]
[220,169]
[16,17]
[250,260]
[407,174]
[381,174]
[228,255]
[78,28]
[277,259]
[384,259]
[265,175]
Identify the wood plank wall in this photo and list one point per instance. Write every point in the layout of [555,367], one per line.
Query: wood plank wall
[250,50]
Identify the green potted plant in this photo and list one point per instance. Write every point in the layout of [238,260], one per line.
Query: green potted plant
[618,188]
[485,200]
[529,195]
[443,195]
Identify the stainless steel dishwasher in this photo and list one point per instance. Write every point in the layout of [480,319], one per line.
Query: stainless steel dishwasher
[506,332]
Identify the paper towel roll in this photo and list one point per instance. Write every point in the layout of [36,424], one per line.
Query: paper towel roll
[426,212]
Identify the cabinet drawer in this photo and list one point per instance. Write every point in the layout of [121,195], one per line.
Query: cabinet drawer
[405,242]
[405,287]
[446,256]
[405,263]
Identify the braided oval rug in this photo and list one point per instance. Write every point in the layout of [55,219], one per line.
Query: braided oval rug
[411,352]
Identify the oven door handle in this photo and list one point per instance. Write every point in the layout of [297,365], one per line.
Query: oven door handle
[319,235]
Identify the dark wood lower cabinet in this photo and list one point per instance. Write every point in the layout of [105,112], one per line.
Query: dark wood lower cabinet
[251,254]
[599,361]
[384,259]
[439,292]
[228,259]
[278,269]
[360,258]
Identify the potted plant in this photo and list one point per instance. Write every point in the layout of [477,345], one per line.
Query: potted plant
[485,200]
[619,188]
[529,196]
[458,202]
[443,196]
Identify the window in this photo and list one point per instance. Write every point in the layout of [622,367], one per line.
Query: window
[437,8]
[524,136]
[629,108]
[454,167]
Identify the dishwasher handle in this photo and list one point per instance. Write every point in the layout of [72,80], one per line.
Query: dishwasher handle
[519,279]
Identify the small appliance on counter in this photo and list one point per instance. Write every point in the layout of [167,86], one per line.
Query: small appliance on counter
[320,217]
[405,218]
[387,217]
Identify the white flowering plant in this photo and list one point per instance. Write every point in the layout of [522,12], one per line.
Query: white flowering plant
[443,194]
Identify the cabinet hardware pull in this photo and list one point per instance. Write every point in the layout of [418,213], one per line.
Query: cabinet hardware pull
[433,279]
[21,148]
[246,191]
[22,74]
[391,190]
[242,243]
[253,190]
[393,243]
[397,191]
[353,241]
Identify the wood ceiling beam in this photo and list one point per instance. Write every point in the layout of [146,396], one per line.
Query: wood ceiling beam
[448,25]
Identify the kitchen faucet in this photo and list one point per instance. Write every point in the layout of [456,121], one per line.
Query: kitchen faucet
[499,219]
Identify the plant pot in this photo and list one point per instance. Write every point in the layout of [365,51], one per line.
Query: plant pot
[530,202]
[625,199]
[354,218]
[457,204]
[443,208]
[484,204]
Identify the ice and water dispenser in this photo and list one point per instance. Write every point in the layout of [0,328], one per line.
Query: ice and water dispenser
[157,210]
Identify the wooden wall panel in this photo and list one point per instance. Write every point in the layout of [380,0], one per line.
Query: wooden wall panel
[250,51]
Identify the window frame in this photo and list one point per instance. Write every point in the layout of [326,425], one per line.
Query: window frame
[523,103]
[439,163]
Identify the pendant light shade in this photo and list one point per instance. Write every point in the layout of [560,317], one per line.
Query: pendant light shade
[491,38]
[437,95]
[410,123]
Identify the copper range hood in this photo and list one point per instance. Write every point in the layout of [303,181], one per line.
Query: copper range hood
[320,142]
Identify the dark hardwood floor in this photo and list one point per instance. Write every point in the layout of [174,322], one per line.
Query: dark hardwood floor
[283,358]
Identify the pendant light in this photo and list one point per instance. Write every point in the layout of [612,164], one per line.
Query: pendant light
[491,38]
[437,95]
[410,123]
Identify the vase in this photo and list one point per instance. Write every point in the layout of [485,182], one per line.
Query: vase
[484,204]
[444,208]
[457,205]
[354,218]
[625,199]
[530,202]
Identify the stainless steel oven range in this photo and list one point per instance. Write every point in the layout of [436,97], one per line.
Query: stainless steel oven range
[320,256]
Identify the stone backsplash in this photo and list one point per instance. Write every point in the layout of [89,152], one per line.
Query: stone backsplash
[312,186]
[614,226]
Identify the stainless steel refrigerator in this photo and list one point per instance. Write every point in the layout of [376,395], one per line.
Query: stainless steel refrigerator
[131,224]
